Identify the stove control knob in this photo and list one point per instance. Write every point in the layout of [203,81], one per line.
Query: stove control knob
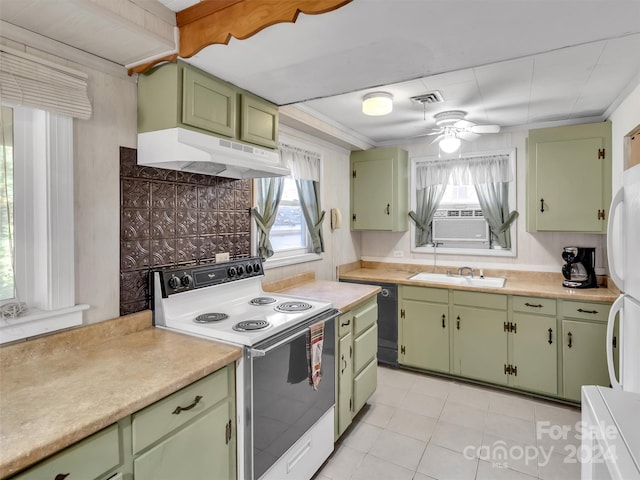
[186,280]
[232,272]
[174,282]
[240,270]
[249,269]
[256,267]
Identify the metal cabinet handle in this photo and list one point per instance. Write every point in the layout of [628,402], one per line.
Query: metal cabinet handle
[227,433]
[345,365]
[593,312]
[570,339]
[550,336]
[443,318]
[614,342]
[346,324]
[61,476]
[182,409]
[458,322]
[542,205]
[388,209]
[533,305]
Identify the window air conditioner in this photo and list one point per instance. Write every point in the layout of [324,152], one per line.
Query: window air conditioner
[460,225]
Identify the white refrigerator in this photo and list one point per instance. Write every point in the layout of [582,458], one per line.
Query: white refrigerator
[610,416]
[624,268]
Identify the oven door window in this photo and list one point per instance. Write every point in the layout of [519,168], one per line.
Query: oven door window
[285,405]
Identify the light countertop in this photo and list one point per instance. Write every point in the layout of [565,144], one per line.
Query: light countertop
[344,296]
[533,284]
[61,388]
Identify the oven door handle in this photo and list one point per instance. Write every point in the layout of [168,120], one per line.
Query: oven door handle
[255,352]
[261,353]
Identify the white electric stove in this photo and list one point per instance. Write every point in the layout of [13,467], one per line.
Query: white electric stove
[279,414]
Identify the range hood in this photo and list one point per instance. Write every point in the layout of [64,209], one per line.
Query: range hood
[190,151]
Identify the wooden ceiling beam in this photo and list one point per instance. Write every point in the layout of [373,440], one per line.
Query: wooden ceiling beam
[217,21]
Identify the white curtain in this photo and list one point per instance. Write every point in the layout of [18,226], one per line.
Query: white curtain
[305,169]
[34,82]
[304,164]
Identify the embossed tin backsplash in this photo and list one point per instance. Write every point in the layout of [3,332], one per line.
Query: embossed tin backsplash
[170,218]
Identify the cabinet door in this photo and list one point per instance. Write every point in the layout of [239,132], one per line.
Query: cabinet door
[208,104]
[584,359]
[479,343]
[345,382]
[569,185]
[372,194]
[199,450]
[425,335]
[534,353]
[258,122]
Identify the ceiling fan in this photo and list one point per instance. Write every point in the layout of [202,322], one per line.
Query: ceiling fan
[452,127]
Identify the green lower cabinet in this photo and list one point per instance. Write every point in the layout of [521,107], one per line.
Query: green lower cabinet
[176,456]
[89,459]
[357,365]
[424,335]
[479,344]
[345,384]
[583,356]
[534,353]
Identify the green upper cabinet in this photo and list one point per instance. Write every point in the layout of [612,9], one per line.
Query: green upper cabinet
[179,95]
[259,121]
[569,178]
[208,103]
[379,189]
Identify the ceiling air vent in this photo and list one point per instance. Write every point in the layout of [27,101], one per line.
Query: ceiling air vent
[431,97]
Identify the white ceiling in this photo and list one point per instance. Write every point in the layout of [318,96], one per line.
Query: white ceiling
[511,63]
[515,63]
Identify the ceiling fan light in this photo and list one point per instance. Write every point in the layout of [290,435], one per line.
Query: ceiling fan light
[449,144]
[377,104]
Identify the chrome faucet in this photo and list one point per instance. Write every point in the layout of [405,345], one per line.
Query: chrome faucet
[462,269]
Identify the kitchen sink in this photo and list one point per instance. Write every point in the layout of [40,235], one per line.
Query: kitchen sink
[489,282]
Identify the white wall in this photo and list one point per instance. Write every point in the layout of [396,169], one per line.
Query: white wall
[535,251]
[624,119]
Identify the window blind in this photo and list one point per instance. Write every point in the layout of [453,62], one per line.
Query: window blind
[38,83]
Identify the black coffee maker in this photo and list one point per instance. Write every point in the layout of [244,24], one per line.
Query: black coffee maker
[579,271]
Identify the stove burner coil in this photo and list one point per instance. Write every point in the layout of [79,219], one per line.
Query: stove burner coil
[293,307]
[210,317]
[262,301]
[249,325]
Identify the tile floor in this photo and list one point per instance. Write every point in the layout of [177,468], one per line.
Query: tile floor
[419,427]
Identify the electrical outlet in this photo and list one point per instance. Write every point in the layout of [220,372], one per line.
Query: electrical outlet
[398,253]
[222,257]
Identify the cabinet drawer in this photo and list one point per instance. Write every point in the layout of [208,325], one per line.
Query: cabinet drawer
[345,324]
[425,294]
[155,421]
[541,306]
[585,310]
[365,348]
[87,459]
[480,299]
[364,317]
[364,384]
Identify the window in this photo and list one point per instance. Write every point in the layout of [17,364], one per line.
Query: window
[464,205]
[7,285]
[38,272]
[288,211]
[289,231]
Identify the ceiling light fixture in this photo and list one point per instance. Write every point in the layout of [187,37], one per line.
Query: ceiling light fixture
[449,143]
[377,104]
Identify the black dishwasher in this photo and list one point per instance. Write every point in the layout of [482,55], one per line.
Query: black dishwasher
[387,321]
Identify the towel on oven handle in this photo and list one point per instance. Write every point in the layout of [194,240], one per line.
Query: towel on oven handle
[315,340]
